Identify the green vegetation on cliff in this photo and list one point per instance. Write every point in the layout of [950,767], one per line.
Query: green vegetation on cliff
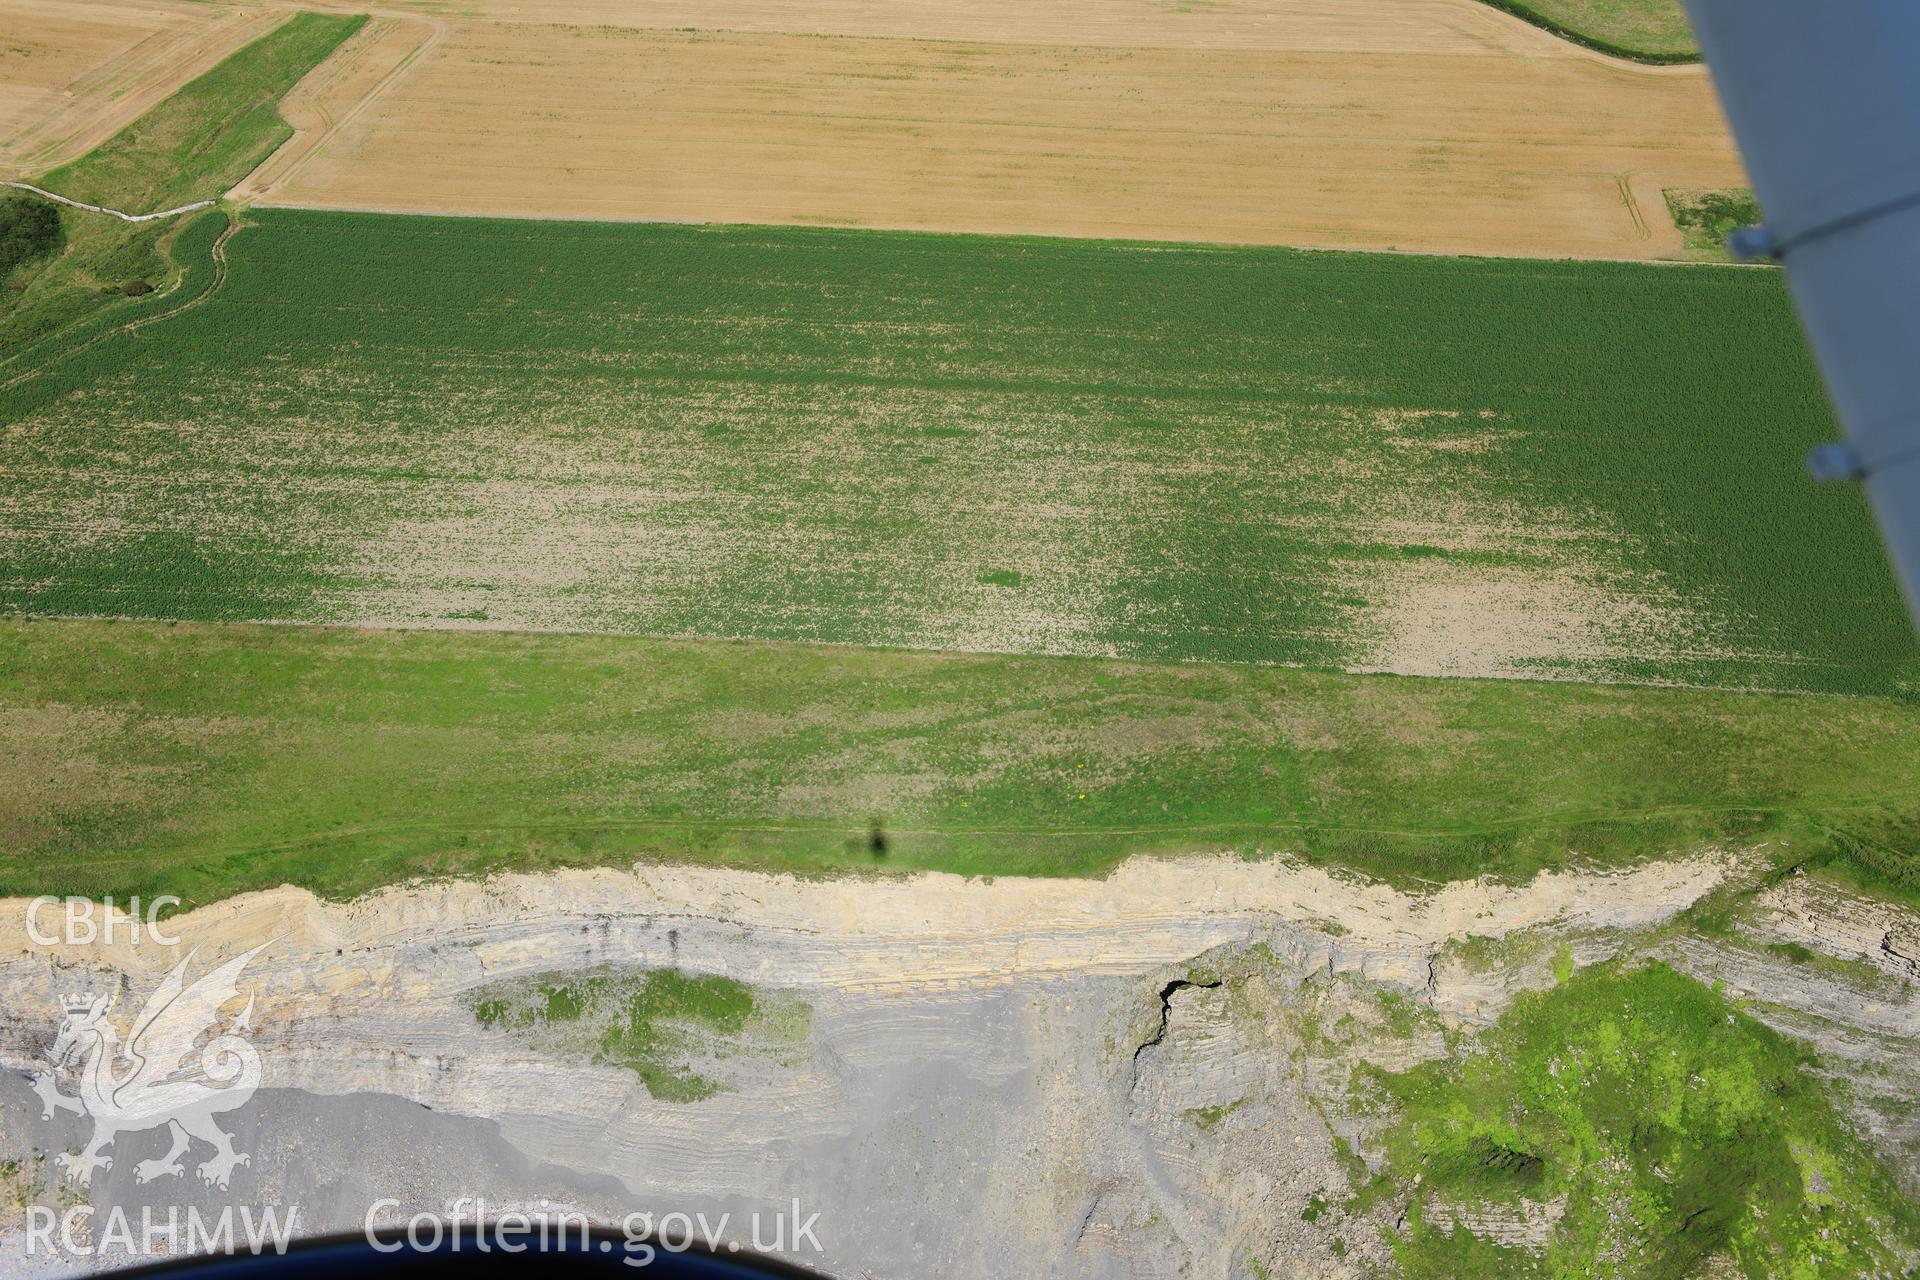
[1638,1124]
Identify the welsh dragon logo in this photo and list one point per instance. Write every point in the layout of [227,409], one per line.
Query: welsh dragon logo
[163,1076]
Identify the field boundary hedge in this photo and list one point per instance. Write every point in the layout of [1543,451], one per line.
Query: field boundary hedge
[1533,17]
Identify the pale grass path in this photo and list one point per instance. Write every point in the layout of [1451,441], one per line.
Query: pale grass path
[96,208]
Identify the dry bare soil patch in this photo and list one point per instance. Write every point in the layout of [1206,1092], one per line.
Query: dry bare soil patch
[1435,125]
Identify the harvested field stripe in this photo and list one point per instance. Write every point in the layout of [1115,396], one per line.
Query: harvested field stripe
[364,70]
[1446,140]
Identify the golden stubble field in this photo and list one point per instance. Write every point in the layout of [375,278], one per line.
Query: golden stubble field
[340,89]
[1432,125]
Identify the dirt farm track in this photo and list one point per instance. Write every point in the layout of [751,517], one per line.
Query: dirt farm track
[1435,125]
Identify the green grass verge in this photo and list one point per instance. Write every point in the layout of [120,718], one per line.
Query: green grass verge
[1676,1128]
[207,760]
[1650,31]
[196,144]
[1582,470]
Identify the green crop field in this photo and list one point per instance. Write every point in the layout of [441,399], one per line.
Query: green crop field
[203,760]
[1577,470]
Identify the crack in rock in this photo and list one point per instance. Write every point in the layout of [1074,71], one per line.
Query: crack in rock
[1166,1012]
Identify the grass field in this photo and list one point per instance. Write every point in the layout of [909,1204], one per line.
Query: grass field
[205,760]
[1645,30]
[1675,1128]
[1438,466]
[192,146]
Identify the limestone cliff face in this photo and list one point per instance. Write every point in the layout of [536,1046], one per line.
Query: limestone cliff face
[1145,1075]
